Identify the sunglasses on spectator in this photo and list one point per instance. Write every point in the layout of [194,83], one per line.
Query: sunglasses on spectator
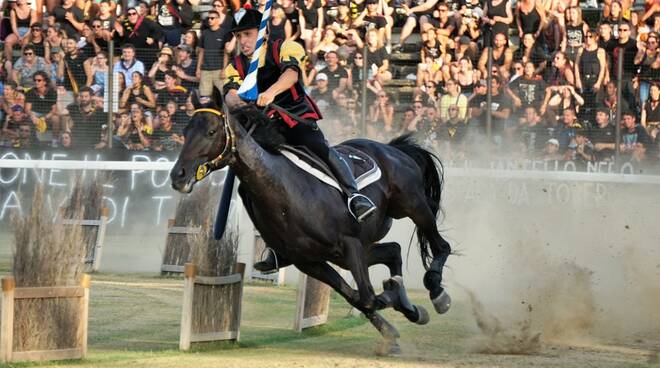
[36,29]
[96,26]
[28,53]
[624,29]
[132,13]
[38,79]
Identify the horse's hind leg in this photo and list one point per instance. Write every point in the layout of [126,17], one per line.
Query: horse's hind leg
[423,217]
[328,275]
[394,294]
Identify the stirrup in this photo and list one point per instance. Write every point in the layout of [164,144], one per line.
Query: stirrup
[364,215]
[277,266]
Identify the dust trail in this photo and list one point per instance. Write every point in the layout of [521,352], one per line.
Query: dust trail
[500,339]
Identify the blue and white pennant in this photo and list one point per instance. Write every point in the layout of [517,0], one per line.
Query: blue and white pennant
[248,90]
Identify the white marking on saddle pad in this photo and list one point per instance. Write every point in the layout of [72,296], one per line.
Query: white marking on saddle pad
[363,181]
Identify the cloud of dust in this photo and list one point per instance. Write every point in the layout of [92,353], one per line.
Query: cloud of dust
[571,261]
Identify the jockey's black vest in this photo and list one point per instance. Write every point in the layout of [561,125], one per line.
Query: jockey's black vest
[294,100]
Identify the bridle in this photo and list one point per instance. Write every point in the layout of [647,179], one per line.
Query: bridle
[230,146]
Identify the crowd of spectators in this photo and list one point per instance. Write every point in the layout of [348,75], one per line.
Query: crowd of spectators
[553,79]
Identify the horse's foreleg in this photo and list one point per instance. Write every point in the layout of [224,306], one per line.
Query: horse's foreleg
[394,293]
[356,259]
[328,275]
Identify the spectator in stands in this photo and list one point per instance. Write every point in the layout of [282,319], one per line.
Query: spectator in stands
[372,18]
[186,67]
[530,51]
[171,91]
[633,134]
[590,69]
[71,68]
[70,17]
[191,40]
[87,46]
[560,73]
[128,64]
[41,102]
[165,137]
[651,112]
[533,132]
[381,115]
[327,44]
[36,39]
[413,14]
[453,97]
[377,59]
[211,56]
[497,19]
[446,27]
[575,32]
[552,35]
[134,134]
[411,118]
[584,149]
[321,94]
[140,32]
[26,137]
[626,49]
[648,60]
[11,96]
[15,119]
[561,98]
[174,17]
[161,66]
[66,141]
[21,17]
[54,40]
[603,135]
[293,16]
[279,26]
[528,89]
[551,151]
[337,75]
[26,66]
[502,56]
[610,102]
[97,73]
[530,17]
[311,21]
[453,132]
[85,120]
[566,131]
[138,93]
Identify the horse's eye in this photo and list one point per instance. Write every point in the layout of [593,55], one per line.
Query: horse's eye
[211,133]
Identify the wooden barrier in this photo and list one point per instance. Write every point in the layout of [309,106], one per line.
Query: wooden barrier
[94,238]
[276,278]
[211,306]
[177,247]
[10,293]
[312,303]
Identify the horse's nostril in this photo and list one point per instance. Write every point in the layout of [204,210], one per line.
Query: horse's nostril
[181,173]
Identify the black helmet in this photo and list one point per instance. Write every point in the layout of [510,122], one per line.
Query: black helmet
[246,18]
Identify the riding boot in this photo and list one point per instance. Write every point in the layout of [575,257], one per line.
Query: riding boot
[359,205]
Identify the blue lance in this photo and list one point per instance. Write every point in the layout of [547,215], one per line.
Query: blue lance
[248,91]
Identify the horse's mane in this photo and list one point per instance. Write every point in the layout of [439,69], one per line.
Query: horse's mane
[267,134]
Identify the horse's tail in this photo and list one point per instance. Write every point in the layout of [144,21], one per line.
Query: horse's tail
[433,176]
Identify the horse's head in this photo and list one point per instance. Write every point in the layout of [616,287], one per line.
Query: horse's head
[208,145]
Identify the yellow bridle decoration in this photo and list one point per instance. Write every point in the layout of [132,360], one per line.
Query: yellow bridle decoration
[212,111]
[205,168]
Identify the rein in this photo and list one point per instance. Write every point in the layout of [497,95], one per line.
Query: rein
[230,145]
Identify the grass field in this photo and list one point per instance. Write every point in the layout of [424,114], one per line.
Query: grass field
[134,322]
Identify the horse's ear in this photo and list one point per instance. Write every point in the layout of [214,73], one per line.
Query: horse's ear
[194,98]
[216,99]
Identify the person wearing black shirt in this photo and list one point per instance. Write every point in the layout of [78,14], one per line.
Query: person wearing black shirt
[603,135]
[528,89]
[70,17]
[186,67]
[533,133]
[211,57]
[85,120]
[174,16]
[41,102]
[142,33]
[71,67]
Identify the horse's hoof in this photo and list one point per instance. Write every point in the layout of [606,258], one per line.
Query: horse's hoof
[423,315]
[442,302]
[388,348]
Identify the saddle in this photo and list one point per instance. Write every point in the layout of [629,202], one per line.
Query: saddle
[364,168]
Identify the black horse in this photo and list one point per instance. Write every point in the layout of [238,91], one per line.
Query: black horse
[307,222]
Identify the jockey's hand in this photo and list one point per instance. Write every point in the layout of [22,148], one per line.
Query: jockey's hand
[265,99]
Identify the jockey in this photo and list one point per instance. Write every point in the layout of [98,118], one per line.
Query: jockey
[278,81]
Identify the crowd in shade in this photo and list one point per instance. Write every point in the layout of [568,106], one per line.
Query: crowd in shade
[418,66]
